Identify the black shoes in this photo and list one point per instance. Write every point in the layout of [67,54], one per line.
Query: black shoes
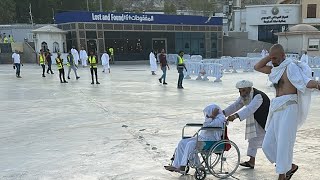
[92,82]
[63,81]
[43,75]
[77,78]
[160,80]
[68,77]
[97,83]
[180,87]
[164,83]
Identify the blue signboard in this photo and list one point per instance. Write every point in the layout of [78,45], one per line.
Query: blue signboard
[67,17]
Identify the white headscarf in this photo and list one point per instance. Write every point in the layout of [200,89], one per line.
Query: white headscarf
[208,110]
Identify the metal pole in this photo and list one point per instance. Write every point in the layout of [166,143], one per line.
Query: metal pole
[30,13]
[100,5]
[87,5]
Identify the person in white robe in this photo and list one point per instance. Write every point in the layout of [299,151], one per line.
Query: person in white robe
[305,58]
[213,117]
[75,55]
[83,57]
[255,113]
[105,62]
[263,53]
[288,110]
[153,63]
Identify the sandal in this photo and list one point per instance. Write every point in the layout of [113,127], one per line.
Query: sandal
[290,173]
[247,164]
[171,168]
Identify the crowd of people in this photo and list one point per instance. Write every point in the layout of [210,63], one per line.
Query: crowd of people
[73,59]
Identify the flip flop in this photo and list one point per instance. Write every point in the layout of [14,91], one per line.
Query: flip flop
[290,173]
[247,164]
[171,168]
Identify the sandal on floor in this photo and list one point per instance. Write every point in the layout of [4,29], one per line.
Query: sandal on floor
[290,173]
[171,168]
[247,164]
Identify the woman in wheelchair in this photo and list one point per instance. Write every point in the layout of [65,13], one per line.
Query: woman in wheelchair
[213,117]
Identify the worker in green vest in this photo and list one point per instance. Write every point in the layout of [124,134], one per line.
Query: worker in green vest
[41,61]
[59,62]
[180,67]
[11,39]
[5,39]
[111,51]
[93,61]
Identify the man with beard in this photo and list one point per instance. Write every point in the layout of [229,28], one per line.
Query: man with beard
[288,110]
[255,112]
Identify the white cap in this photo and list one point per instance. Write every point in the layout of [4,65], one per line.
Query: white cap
[244,84]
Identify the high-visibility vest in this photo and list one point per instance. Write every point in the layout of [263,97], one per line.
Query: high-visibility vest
[41,59]
[59,63]
[11,39]
[5,40]
[111,51]
[181,60]
[92,61]
[69,61]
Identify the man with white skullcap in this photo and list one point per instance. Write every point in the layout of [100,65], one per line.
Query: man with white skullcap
[255,112]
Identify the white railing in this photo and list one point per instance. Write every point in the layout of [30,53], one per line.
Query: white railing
[204,70]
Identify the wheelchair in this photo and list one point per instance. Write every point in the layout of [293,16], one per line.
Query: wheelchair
[219,158]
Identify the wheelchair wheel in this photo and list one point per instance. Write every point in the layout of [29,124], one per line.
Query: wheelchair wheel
[200,174]
[222,163]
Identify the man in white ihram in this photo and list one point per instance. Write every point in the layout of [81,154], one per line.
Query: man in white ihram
[105,62]
[305,58]
[288,110]
[83,57]
[213,117]
[256,112]
[153,62]
[75,55]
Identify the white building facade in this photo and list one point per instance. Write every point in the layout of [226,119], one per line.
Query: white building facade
[263,21]
[50,37]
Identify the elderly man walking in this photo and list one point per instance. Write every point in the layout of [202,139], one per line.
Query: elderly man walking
[255,112]
[288,110]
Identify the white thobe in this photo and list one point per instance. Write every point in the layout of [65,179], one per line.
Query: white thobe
[304,58]
[75,55]
[153,62]
[186,147]
[83,57]
[286,114]
[255,137]
[105,62]
[263,53]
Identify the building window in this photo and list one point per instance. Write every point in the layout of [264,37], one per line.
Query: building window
[91,34]
[55,47]
[313,44]
[312,11]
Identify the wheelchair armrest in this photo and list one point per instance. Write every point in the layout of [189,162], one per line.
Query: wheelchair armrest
[194,124]
[211,128]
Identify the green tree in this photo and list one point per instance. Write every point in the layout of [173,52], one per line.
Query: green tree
[7,11]
[204,6]
[119,8]
[169,8]
[173,9]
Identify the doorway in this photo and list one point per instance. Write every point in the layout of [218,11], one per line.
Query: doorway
[92,46]
[158,44]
